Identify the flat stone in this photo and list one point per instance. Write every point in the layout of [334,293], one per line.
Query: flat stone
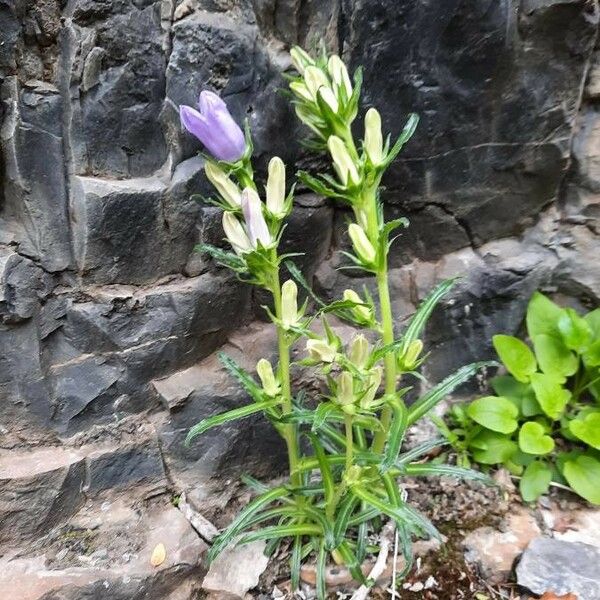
[562,567]
[494,552]
[237,569]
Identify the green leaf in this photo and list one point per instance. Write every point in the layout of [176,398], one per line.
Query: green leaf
[344,512]
[232,415]
[495,413]
[422,314]
[326,475]
[323,410]
[542,316]
[534,440]
[351,562]
[295,563]
[535,481]
[575,330]
[591,356]
[243,518]
[426,402]
[242,376]
[551,396]
[587,429]
[490,448]
[420,450]
[583,475]
[321,569]
[395,435]
[593,320]
[517,357]
[521,393]
[554,357]
[407,132]
[279,531]
[425,470]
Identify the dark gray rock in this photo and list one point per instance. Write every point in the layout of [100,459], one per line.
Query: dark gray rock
[563,567]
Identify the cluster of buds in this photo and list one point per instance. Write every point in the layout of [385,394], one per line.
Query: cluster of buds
[357,385]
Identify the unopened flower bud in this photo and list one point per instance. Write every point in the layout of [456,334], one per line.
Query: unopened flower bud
[252,208]
[301,90]
[289,304]
[228,190]
[276,187]
[372,387]
[339,73]
[360,311]
[373,137]
[300,59]
[359,351]
[314,79]
[236,234]
[267,378]
[411,355]
[345,389]
[362,246]
[342,161]
[329,98]
[320,350]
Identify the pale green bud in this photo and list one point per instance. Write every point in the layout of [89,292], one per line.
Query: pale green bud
[300,59]
[314,79]
[228,190]
[411,355]
[301,91]
[267,378]
[236,234]
[353,475]
[289,304]
[320,350]
[362,246]
[329,98]
[345,389]
[373,136]
[375,377]
[256,225]
[359,351]
[362,312]
[342,161]
[276,187]
[339,74]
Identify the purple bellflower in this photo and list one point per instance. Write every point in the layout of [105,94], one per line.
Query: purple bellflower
[214,126]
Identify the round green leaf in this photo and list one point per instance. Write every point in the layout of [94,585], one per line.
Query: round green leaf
[490,448]
[554,357]
[542,316]
[533,439]
[516,356]
[550,394]
[495,413]
[593,320]
[583,475]
[576,331]
[591,357]
[587,429]
[535,481]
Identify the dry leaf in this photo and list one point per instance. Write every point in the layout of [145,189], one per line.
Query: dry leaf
[553,596]
[159,554]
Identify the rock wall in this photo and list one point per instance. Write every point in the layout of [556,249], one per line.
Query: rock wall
[110,321]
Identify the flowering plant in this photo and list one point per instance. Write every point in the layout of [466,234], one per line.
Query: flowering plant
[345,448]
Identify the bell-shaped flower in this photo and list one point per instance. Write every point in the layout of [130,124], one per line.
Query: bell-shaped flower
[359,351]
[362,246]
[345,389]
[276,188]
[321,350]
[329,98]
[214,126]
[265,371]
[360,311]
[289,304]
[410,357]
[256,225]
[372,387]
[373,137]
[300,59]
[339,74]
[226,188]
[315,79]
[236,234]
[342,161]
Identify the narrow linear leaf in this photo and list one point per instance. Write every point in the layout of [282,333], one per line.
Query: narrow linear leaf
[321,566]
[295,563]
[326,475]
[395,436]
[280,531]
[417,470]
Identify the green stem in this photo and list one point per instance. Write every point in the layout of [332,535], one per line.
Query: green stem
[289,430]
[389,361]
[349,441]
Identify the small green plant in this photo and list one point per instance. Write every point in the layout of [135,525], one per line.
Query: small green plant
[345,476]
[543,424]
